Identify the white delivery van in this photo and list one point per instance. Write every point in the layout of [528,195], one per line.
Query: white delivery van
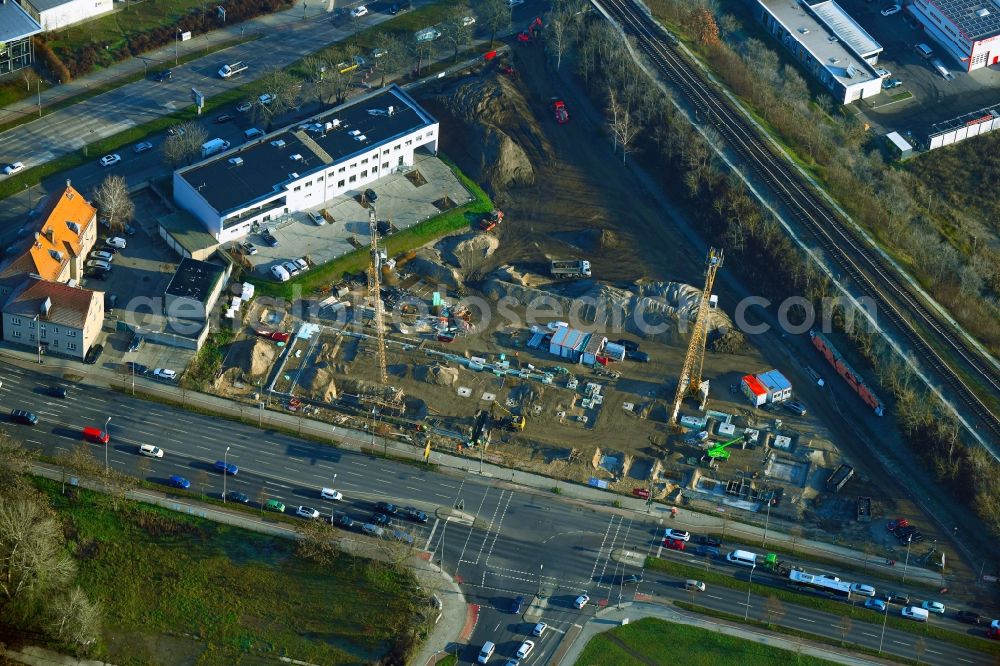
[915,613]
[742,557]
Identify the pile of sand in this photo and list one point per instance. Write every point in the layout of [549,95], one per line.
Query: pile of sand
[318,382]
[439,375]
[429,265]
[261,357]
[468,251]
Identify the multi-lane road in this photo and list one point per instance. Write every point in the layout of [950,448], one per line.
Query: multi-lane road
[522,543]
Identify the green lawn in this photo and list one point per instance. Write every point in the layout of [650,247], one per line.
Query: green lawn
[241,595]
[652,641]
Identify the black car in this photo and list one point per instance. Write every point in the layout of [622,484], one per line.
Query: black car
[415,515]
[629,345]
[896,598]
[399,8]
[224,117]
[269,239]
[23,416]
[96,274]
[380,519]
[969,617]
[370,195]
[162,76]
[235,496]
[57,391]
[93,354]
[637,356]
[709,541]
[136,368]
[517,605]
[386,508]
[341,520]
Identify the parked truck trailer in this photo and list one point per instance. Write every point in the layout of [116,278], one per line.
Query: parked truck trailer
[571,268]
[853,379]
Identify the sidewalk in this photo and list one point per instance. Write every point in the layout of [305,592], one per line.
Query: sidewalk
[633,507]
[611,617]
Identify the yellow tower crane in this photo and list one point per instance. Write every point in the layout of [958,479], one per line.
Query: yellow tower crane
[375,293]
[690,382]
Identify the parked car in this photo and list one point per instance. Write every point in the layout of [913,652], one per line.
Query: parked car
[316,218]
[116,242]
[291,268]
[178,481]
[99,265]
[380,519]
[581,601]
[359,11]
[679,535]
[165,373]
[969,617]
[150,451]
[248,248]
[111,160]
[224,117]
[176,130]
[274,505]
[370,195]
[301,264]
[637,356]
[387,508]
[307,512]
[224,467]
[331,494]
[796,407]
[136,368]
[93,354]
[142,147]
[889,84]
[341,520]
[280,273]
[399,8]
[100,255]
[243,107]
[517,605]
[23,416]
[237,496]
[525,649]
[890,10]
[539,629]
[13,167]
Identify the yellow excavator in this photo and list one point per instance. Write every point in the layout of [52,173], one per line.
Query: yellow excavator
[512,421]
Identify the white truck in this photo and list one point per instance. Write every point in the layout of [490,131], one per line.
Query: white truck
[213,146]
[571,268]
[233,69]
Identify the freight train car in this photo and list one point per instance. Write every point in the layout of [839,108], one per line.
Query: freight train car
[853,379]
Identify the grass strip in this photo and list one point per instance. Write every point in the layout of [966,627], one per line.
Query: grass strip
[244,595]
[647,640]
[826,605]
[788,631]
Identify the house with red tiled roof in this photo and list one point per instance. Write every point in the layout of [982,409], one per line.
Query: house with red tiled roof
[58,249]
[52,316]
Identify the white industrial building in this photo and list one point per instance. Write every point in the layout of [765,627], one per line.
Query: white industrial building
[831,44]
[297,168]
[56,14]
[969,30]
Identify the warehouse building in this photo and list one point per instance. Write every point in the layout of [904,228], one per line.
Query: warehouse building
[56,14]
[831,44]
[16,29]
[969,30]
[340,151]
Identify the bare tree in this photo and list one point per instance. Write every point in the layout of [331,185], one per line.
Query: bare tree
[183,144]
[393,550]
[275,92]
[420,50]
[73,618]
[15,462]
[495,15]
[33,560]
[318,541]
[391,55]
[623,127]
[114,202]
[457,30]
[558,33]
[774,609]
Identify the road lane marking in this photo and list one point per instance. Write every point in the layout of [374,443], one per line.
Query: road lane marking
[867,634]
[712,596]
[963,659]
[899,642]
[933,651]
[440,495]
[805,619]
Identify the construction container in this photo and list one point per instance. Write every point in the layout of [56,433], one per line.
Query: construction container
[778,387]
[753,390]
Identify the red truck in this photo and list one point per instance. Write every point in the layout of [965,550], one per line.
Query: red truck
[277,336]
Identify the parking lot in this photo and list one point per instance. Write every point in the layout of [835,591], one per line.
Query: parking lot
[934,98]
[139,275]
[401,202]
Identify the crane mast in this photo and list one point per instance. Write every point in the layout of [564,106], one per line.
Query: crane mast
[375,293]
[690,382]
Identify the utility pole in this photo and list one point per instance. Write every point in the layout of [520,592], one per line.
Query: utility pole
[107,444]
[38,87]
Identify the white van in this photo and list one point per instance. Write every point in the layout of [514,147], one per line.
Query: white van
[488,649]
[743,558]
[915,613]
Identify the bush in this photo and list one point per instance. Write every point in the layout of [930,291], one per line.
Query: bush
[45,55]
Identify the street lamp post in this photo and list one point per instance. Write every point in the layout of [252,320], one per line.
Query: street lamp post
[885,616]
[906,563]
[225,473]
[177,41]
[38,87]
[540,567]
[746,615]
[38,339]
[260,417]
[767,519]
[107,444]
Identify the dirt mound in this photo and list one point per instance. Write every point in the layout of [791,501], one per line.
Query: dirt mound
[318,382]
[502,138]
[439,375]
[468,251]
[588,240]
[429,264]
[251,357]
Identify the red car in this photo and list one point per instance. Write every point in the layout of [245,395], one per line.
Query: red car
[994,634]
[673,544]
[490,222]
[561,114]
[277,336]
[892,525]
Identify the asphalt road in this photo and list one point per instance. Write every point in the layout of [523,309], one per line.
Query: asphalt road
[541,547]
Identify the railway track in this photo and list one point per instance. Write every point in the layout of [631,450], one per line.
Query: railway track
[914,321]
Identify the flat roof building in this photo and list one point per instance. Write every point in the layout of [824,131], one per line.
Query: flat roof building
[969,30]
[193,290]
[16,29]
[55,14]
[303,166]
[835,49]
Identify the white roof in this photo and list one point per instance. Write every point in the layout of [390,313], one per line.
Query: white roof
[846,28]
[899,141]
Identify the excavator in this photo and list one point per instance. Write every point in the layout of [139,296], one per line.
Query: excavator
[511,422]
[719,451]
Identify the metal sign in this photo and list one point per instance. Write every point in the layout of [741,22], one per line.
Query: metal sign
[198,99]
